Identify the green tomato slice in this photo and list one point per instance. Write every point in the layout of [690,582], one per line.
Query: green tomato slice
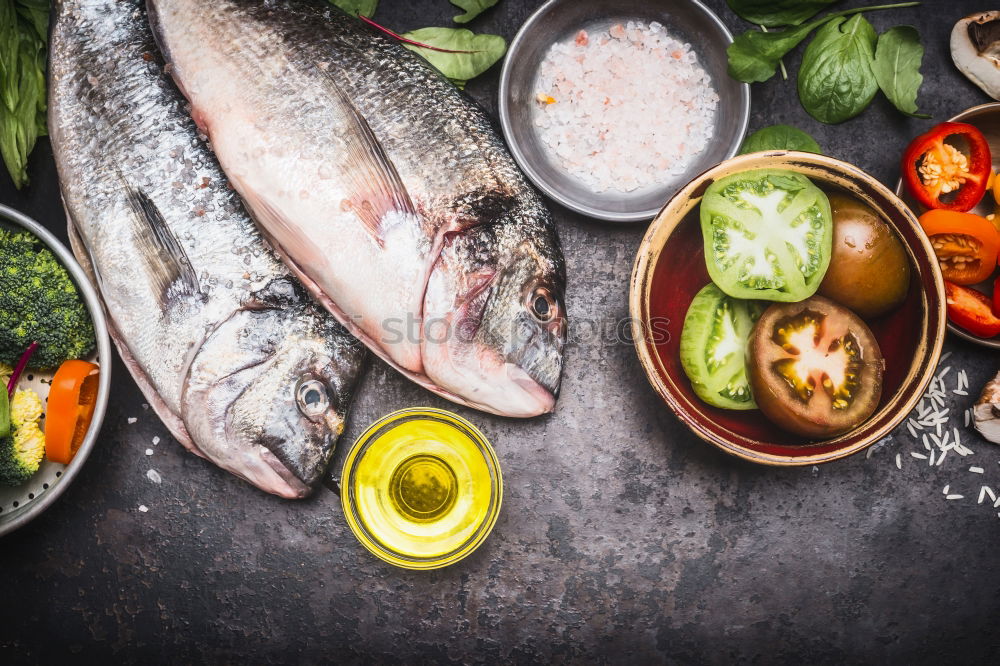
[768,235]
[713,347]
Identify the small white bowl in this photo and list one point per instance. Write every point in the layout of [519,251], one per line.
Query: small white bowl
[21,504]
[557,21]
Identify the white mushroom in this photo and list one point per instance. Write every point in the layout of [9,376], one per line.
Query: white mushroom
[986,412]
[975,48]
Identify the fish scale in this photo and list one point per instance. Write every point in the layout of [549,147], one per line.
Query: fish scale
[384,188]
[214,329]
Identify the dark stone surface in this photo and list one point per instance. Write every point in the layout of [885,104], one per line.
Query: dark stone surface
[622,537]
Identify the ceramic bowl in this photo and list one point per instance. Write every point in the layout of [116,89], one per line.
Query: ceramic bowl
[21,504]
[560,20]
[986,118]
[670,269]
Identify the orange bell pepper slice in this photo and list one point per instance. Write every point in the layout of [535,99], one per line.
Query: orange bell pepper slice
[70,409]
[966,245]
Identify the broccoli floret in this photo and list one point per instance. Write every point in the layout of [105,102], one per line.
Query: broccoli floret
[21,454]
[39,303]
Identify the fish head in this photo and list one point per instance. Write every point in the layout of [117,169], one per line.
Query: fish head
[495,319]
[266,395]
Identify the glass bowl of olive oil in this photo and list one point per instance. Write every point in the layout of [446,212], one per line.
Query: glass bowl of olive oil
[421,488]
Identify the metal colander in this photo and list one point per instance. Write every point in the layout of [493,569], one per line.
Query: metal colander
[21,504]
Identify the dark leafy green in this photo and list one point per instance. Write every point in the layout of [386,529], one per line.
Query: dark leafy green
[776,13]
[23,36]
[779,137]
[897,67]
[480,51]
[836,81]
[473,8]
[357,7]
[754,55]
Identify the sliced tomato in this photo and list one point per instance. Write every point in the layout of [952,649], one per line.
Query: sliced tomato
[70,409]
[815,368]
[966,245]
[972,310]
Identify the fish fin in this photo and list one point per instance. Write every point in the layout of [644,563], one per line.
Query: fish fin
[168,262]
[377,190]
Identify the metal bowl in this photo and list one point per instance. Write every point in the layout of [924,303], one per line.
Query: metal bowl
[670,269]
[986,118]
[19,505]
[559,20]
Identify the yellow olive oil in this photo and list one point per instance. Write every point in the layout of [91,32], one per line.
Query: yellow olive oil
[421,488]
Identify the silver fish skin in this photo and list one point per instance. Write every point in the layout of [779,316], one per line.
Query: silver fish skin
[384,188]
[239,362]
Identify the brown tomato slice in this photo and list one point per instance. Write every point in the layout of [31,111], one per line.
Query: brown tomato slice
[814,367]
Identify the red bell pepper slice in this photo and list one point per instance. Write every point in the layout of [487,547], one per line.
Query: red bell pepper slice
[996,296]
[932,168]
[972,310]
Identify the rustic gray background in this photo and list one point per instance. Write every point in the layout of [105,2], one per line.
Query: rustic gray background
[622,537]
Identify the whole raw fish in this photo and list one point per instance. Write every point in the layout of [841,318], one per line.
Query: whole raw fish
[384,188]
[228,348]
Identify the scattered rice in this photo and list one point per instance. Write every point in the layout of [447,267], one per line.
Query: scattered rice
[624,108]
[931,425]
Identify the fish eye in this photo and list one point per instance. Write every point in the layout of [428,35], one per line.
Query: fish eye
[311,397]
[543,305]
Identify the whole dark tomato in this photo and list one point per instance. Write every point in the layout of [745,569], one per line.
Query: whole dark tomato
[815,368]
[869,269]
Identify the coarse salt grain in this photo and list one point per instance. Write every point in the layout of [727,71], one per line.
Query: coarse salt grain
[154,476]
[149,452]
[143,508]
[132,420]
[630,107]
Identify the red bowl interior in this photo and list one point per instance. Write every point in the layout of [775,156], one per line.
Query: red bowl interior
[680,273]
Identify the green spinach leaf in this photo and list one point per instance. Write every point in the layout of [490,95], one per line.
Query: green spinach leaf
[754,55]
[357,7]
[897,67]
[482,51]
[779,137]
[836,81]
[473,8]
[23,35]
[775,13]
